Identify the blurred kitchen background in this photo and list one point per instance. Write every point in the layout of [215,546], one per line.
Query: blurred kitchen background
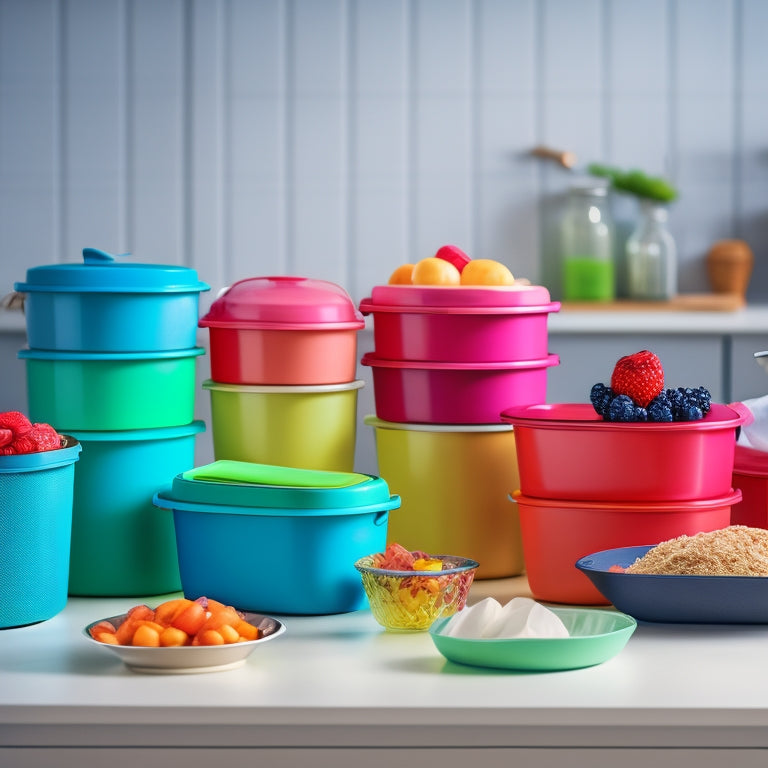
[339,139]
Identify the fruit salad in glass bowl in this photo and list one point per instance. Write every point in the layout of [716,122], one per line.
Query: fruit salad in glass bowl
[409,590]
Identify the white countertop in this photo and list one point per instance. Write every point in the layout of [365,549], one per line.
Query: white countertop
[343,681]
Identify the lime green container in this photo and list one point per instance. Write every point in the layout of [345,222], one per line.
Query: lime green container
[311,427]
[120,545]
[111,391]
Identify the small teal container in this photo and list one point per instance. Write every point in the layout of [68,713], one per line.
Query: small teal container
[278,540]
[120,545]
[106,304]
[36,491]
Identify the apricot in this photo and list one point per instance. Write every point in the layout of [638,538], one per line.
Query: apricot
[147,634]
[172,636]
[210,637]
[190,619]
[403,275]
[166,612]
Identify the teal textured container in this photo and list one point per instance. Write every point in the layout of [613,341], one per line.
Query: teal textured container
[111,391]
[36,491]
[302,542]
[120,545]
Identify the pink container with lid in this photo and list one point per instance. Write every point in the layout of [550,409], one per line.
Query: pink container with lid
[567,451]
[285,331]
[460,323]
[750,476]
[455,393]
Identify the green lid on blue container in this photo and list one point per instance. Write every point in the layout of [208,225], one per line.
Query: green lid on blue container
[101,272]
[238,487]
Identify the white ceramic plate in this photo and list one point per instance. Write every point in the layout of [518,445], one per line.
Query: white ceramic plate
[189,659]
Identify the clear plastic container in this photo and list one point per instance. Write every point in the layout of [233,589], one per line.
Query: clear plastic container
[587,260]
[651,256]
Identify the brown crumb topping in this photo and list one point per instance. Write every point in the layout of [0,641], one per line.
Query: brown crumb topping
[738,550]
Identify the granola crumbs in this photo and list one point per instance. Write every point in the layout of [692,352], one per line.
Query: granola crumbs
[738,550]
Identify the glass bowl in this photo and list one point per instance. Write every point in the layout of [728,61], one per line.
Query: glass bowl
[411,601]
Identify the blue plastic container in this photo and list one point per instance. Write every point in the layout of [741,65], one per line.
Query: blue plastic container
[36,492]
[120,545]
[104,305]
[277,539]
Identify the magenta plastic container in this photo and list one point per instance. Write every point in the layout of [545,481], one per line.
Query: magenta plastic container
[283,331]
[567,451]
[460,324]
[555,534]
[750,476]
[455,393]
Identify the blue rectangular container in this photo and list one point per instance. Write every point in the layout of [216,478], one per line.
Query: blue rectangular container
[276,540]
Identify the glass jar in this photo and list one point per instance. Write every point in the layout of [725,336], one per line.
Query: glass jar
[651,256]
[587,261]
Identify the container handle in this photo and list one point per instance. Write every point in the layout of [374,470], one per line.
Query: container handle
[747,417]
[381,517]
[13,301]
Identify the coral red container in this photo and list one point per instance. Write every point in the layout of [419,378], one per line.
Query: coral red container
[567,451]
[283,331]
[750,476]
[455,393]
[460,324]
[557,533]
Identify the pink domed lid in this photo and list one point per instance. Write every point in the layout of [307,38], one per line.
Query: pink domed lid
[458,299]
[282,302]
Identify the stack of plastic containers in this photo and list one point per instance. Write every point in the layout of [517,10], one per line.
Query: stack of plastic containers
[111,362]
[589,485]
[283,363]
[446,362]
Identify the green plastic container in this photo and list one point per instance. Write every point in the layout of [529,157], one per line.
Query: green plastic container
[120,545]
[111,391]
[312,427]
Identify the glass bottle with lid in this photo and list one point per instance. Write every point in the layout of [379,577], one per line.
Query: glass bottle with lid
[587,259]
[651,256]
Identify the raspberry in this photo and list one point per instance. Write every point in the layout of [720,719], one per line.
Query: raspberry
[6,435]
[46,437]
[639,376]
[17,422]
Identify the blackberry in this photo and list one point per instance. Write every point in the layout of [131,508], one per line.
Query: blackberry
[641,414]
[691,413]
[660,409]
[600,396]
[621,408]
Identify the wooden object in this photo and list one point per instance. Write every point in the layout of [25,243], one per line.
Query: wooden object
[729,266]
[685,302]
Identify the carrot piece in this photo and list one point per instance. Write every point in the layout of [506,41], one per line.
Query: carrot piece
[146,635]
[166,612]
[229,633]
[172,636]
[190,619]
[247,631]
[210,637]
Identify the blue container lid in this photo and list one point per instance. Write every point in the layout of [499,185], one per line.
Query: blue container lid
[100,273]
[168,354]
[41,460]
[237,487]
[138,435]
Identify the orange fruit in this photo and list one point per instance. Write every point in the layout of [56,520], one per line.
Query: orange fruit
[402,275]
[434,271]
[486,272]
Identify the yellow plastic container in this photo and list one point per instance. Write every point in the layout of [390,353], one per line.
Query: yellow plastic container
[310,427]
[454,482]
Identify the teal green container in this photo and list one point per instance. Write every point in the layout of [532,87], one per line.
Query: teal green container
[273,539]
[35,523]
[111,391]
[120,545]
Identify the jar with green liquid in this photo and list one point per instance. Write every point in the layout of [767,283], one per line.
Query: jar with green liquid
[587,258]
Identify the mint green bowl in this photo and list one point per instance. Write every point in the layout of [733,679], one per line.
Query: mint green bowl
[111,391]
[596,635]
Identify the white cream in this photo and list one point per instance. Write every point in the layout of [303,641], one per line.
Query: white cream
[520,617]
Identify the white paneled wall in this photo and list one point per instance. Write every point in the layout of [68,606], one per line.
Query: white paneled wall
[340,138]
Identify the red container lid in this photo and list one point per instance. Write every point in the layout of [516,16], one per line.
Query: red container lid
[481,300]
[750,461]
[583,416]
[282,302]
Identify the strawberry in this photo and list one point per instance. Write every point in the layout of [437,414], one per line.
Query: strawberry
[640,376]
[19,435]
